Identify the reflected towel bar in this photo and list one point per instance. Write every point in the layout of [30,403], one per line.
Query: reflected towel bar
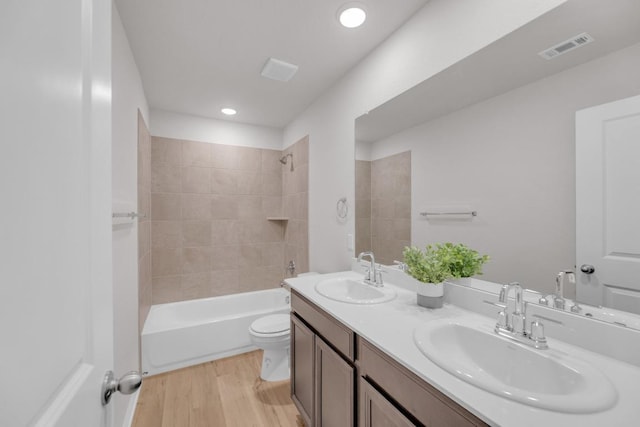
[130,215]
[472,213]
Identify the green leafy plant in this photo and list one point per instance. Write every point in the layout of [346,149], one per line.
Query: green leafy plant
[443,261]
[425,266]
[462,260]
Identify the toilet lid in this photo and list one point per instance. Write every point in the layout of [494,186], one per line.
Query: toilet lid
[271,324]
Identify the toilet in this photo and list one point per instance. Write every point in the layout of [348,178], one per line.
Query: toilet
[272,334]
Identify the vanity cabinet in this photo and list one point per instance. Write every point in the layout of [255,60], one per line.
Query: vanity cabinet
[326,359]
[322,366]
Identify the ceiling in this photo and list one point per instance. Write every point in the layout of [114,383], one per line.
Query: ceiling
[197,56]
[510,62]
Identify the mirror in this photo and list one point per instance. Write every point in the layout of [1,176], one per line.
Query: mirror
[495,134]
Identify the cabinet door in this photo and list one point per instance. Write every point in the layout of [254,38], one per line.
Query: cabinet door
[377,411]
[334,388]
[302,372]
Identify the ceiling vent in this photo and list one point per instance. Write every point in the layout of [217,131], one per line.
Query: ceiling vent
[278,70]
[566,46]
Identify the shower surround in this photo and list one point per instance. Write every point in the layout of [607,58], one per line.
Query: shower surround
[210,234]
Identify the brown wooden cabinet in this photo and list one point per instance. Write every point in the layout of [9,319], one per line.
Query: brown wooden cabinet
[377,411]
[323,376]
[303,347]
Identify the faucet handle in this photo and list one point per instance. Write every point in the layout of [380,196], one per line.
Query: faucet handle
[537,334]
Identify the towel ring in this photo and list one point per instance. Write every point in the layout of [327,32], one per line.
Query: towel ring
[342,208]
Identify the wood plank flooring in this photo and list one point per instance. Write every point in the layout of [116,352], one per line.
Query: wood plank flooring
[223,393]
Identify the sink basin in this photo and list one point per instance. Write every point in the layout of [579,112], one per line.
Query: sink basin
[545,379]
[353,291]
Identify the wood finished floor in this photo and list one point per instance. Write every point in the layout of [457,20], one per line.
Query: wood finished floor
[223,393]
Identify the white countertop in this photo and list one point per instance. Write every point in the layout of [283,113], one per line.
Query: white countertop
[390,326]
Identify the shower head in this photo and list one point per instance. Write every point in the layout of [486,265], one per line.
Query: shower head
[284,159]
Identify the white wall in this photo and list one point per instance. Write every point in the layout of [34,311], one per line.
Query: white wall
[182,126]
[128,97]
[440,34]
[512,158]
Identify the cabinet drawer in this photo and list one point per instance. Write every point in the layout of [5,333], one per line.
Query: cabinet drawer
[424,402]
[340,337]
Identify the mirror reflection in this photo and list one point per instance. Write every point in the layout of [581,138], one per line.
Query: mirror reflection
[497,134]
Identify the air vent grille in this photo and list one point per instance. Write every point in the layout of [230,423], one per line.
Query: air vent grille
[566,46]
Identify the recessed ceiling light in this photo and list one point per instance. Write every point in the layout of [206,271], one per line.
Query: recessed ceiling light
[351,15]
[228,111]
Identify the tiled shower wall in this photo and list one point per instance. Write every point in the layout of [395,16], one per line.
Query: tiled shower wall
[296,201]
[144,223]
[383,206]
[363,206]
[209,229]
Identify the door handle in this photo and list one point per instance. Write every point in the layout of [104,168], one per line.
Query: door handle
[587,269]
[127,384]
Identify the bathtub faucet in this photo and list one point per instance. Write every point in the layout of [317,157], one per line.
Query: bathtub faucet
[373,276]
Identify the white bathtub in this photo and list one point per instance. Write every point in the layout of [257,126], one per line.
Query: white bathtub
[186,333]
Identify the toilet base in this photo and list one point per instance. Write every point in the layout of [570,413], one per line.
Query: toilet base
[275,365]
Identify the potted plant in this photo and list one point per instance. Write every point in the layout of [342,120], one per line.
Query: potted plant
[463,262]
[430,272]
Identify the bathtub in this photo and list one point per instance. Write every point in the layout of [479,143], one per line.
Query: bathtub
[185,333]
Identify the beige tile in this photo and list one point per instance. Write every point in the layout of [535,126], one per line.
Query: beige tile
[224,257]
[250,256]
[302,179]
[224,207]
[270,161]
[196,260]
[272,206]
[166,150]
[253,230]
[144,238]
[251,279]
[224,156]
[249,158]
[196,180]
[363,227]
[166,234]
[166,262]
[196,153]
[225,232]
[363,208]
[402,208]
[272,231]
[166,289]
[144,272]
[402,185]
[165,206]
[249,183]
[402,229]
[196,285]
[196,233]
[224,181]
[196,206]
[272,183]
[385,208]
[144,203]
[303,200]
[224,282]
[249,207]
[273,254]
[165,178]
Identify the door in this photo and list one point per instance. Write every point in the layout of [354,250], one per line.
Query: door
[334,388]
[377,411]
[608,204]
[55,227]
[302,371]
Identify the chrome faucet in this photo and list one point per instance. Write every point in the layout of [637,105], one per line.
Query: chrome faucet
[513,326]
[373,276]
[558,298]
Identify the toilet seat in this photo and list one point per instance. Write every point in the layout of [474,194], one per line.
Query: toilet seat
[273,325]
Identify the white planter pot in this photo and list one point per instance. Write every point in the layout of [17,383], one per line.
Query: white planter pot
[430,295]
